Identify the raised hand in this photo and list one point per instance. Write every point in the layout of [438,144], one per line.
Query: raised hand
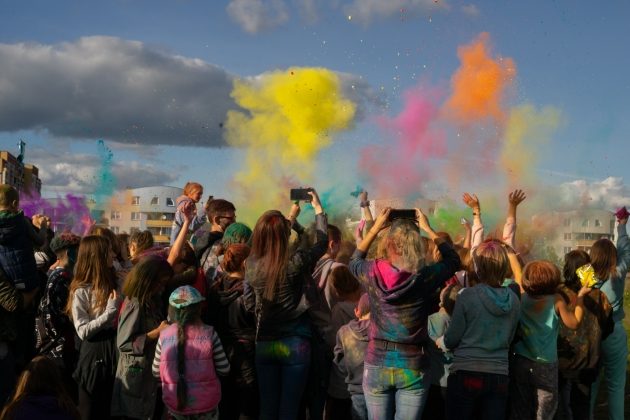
[516,197]
[471,201]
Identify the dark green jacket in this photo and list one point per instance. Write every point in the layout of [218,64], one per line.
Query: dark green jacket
[11,301]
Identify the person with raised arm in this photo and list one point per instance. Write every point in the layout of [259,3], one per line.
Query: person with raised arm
[274,283]
[399,286]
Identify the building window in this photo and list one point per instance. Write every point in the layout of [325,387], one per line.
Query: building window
[155,201]
[598,223]
[135,200]
[585,223]
[135,215]
[567,236]
[169,202]
[567,222]
[115,229]
[115,215]
[567,249]
[133,230]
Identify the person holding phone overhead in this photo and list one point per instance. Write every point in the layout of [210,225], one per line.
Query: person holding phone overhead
[274,284]
[398,286]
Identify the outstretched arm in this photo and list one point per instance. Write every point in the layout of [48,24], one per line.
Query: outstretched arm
[515,198]
[477,228]
[181,236]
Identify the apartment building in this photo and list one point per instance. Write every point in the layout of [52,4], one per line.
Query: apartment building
[23,177]
[578,229]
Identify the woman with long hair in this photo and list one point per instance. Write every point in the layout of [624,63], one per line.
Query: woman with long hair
[93,305]
[141,320]
[611,266]
[400,286]
[275,280]
[39,394]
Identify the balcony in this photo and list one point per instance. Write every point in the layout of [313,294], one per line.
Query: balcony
[159,223]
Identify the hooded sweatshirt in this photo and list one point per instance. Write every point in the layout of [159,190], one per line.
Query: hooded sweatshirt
[482,327]
[350,350]
[342,313]
[399,306]
[17,258]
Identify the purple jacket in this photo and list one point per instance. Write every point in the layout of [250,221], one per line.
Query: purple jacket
[398,315]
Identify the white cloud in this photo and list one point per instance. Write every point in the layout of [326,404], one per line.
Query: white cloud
[78,173]
[470,10]
[122,91]
[112,88]
[258,15]
[367,11]
[609,194]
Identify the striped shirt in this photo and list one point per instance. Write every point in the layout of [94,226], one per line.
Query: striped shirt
[221,363]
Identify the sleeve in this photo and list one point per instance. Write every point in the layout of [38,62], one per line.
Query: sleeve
[457,326]
[57,298]
[11,299]
[432,329]
[306,259]
[85,327]
[131,338]
[197,221]
[38,239]
[249,298]
[476,233]
[623,251]
[221,363]
[509,231]
[338,358]
[155,367]
[437,274]
[360,267]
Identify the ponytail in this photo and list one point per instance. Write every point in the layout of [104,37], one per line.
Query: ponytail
[182,387]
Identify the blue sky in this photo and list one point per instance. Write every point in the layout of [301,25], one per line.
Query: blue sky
[571,55]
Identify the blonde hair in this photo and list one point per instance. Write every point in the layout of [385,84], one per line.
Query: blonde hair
[403,242]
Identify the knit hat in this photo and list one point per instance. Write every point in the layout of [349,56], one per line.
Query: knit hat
[185,296]
[64,241]
[236,233]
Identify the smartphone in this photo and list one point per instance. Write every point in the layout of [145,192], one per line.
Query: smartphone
[409,214]
[300,194]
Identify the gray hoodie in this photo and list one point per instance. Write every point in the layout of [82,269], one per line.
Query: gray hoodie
[482,327]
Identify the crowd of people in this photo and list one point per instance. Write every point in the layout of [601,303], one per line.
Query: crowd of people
[390,320]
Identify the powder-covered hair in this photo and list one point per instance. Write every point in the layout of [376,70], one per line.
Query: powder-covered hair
[234,257]
[142,239]
[403,241]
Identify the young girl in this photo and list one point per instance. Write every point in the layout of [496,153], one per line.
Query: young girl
[534,370]
[191,196]
[93,305]
[479,335]
[141,320]
[40,394]
[188,357]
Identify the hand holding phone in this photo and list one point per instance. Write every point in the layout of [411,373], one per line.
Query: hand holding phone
[300,194]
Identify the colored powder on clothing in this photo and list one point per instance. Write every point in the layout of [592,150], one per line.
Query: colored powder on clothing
[528,130]
[479,84]
[288,118]
[399,168]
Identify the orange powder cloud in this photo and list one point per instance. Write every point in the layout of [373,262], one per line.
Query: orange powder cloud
[479,84]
